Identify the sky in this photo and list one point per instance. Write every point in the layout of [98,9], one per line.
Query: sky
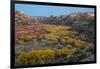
[44,10]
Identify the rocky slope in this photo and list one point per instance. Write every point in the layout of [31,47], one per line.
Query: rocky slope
[27,26]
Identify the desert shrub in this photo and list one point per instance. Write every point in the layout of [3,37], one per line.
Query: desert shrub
[22,59]
[74,32]
[26,58]
[69,46]
[20,42]
[18,53]
[51,38]
[65,51]
[44,54]
[70,41]
[90,48]
[51,54]
[71,33]
[26,38]
[78,43]
[36,56]
[62,41]
[66,37]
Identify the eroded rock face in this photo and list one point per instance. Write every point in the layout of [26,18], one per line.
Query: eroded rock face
[27,26]
[71,18]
